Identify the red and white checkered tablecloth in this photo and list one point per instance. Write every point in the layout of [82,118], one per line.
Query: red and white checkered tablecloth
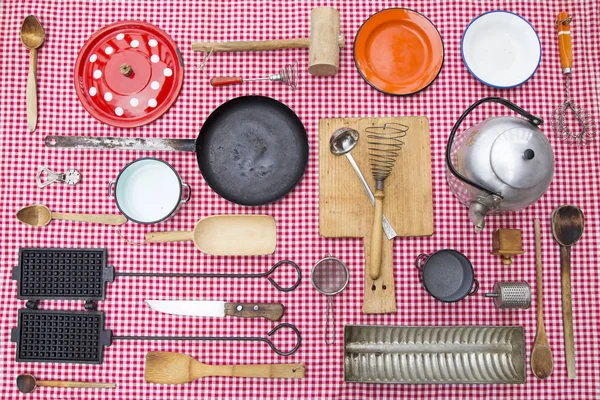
[69,23]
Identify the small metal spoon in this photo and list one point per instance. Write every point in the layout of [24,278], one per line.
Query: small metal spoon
[341,142]
[40,215]
[26,383]
[567,228]
[32,36]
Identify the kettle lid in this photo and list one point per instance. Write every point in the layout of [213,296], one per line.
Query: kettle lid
[522,157]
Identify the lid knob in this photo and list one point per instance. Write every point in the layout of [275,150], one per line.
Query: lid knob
[528,154]
[126,70]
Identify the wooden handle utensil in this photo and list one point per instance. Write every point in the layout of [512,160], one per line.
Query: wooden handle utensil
[178,368]
[541,359]
[564,41]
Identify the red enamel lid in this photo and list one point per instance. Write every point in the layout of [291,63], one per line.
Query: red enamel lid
[128,74]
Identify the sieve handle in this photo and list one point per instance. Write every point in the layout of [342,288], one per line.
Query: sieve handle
[329,321]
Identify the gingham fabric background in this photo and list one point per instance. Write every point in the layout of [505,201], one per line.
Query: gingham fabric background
[69,23]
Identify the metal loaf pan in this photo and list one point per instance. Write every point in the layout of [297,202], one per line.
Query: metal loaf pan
[434,354]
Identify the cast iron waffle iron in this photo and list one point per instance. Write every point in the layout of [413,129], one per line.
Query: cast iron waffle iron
[79,336]
[61,336]
[82,274]
[62,274]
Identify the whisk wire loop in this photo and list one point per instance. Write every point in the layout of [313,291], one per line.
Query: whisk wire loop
[385,142]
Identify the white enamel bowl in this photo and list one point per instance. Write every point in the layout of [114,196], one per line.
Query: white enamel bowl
[148,191]
[501,49]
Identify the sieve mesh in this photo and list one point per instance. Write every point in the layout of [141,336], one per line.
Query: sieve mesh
[330,276]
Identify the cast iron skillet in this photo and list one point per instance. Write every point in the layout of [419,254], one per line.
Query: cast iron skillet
[252,150]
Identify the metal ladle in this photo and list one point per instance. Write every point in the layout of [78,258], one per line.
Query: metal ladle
[342,142]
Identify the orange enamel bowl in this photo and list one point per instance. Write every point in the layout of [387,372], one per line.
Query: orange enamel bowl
[398,51]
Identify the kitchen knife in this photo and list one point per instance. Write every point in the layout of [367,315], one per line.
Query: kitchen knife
[209,308]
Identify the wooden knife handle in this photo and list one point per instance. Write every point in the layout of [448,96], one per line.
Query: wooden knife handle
[567,309]
[272,311]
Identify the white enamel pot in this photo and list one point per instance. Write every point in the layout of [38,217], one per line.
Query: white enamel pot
[148,191]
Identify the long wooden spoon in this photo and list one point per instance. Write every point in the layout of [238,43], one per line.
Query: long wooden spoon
[27,383]
[541,355]
[567,227]
[177,368]
[32,36]
[40,215]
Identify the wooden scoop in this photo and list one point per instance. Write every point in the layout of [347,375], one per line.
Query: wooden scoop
[40,215]
[227,235]
[177,368]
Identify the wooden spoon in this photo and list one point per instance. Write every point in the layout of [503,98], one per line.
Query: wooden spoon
[32,36]
[567,227]
[27,383]
[40,215]
[541,355]
[177,368]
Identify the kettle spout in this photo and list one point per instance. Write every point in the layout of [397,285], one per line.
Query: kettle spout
[477,212]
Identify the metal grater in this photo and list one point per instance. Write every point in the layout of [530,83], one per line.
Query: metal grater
[511,295]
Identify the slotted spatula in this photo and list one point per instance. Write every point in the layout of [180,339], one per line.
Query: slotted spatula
[178,368]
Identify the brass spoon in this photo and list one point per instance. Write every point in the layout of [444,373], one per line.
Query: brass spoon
[40,215]
[541,360]
[32,36]
[27,383]
[567,227]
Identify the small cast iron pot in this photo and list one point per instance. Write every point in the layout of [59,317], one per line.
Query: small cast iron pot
[447,275]
[148,190]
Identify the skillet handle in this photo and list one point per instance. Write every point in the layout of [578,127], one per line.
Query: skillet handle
[111,185]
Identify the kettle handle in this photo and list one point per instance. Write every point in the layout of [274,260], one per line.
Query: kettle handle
[533,119]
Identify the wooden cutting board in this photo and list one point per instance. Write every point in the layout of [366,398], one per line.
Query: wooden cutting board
[345,210]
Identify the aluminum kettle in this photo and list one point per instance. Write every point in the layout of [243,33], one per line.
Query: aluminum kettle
[499,165]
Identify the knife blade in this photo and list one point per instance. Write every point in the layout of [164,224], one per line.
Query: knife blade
[210,308]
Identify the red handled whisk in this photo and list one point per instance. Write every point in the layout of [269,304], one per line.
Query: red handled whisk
[287,75]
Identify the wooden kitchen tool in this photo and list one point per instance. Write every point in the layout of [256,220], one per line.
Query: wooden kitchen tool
[178,368]
[342,201]
[541,359]
[324,43]
[27,383]
[567,228]
[33,36]
[40,215]
[240,235]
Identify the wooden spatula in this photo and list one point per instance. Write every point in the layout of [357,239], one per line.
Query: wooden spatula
[177,368]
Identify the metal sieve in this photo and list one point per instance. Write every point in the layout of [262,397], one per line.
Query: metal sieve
[330,276]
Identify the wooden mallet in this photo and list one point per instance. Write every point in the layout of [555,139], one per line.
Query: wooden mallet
[323,45]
